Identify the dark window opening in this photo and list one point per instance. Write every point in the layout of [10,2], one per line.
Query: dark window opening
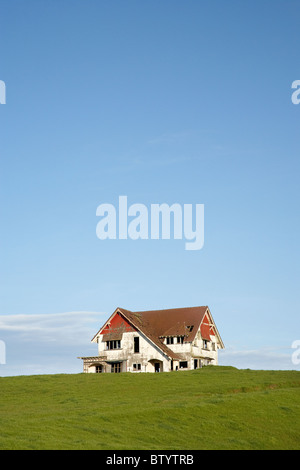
[136,344]
[170,340]
[180,339]
[116,367]
[183,365]
[116,344]
[136,366]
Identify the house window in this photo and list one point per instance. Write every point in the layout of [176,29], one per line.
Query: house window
[98,369]
[170,340]
[213,346]
[180,339]
[136,340]
[136,366]
[116,367]
[183,365]
[116,344]
[205,344]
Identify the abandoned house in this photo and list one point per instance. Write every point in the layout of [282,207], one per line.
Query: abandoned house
[155,341]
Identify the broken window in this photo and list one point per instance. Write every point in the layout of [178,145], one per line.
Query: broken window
[183,365]
[136,340]
[205,344]
[116,367]
[115,344]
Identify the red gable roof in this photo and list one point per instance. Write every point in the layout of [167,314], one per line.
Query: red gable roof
[114,329]
[207,329]
[157,324]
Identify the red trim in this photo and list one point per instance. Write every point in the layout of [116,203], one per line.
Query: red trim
[115,323]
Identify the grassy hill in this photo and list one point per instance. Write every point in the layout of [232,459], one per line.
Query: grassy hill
[209,408]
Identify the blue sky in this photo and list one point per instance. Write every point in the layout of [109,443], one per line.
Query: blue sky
[165,102]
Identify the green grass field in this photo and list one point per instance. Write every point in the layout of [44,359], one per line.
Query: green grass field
[210,408]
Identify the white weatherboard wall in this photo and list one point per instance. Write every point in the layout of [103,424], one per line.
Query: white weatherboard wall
[148,353]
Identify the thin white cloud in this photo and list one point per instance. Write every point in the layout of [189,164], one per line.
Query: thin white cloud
[47,322]
[48,343]
[268,358]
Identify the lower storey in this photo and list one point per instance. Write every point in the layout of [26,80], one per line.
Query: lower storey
[96,364]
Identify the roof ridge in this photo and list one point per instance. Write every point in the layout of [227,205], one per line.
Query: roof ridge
[167,309]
